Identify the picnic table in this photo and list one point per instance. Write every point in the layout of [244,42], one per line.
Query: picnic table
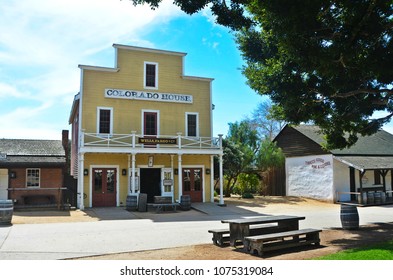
[240,228]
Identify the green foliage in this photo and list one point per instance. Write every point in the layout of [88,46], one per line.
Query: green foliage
[326,62]
[269,155]
[247,195]
[247,184]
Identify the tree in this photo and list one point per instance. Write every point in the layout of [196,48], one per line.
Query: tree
[266,121]
[322,61]
[239,148]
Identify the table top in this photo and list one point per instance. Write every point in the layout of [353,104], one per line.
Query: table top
[263,219]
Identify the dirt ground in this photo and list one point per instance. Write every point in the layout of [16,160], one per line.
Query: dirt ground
[332,240]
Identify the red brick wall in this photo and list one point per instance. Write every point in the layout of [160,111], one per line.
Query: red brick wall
[49,178]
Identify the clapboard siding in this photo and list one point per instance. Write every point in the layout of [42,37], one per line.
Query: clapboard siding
[295,144]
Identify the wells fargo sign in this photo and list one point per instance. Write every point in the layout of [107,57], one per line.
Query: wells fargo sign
[157,141]
[148,96]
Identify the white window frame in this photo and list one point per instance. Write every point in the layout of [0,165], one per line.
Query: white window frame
[111,121]
[39,178]
[144,75]
[197,123]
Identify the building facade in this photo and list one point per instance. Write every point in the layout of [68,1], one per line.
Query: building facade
[32,171]
[336,175]
[143,126]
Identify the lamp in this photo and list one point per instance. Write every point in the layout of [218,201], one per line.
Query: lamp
[12,174]
[207,171]
[85,172]
[124,172]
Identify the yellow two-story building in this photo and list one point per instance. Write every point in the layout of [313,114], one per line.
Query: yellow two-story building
[143,126]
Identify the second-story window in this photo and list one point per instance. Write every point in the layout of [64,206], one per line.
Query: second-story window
[104,122]
[192,124]
[151,75]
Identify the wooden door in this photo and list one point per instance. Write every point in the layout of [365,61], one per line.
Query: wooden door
[192,183]
[104,187]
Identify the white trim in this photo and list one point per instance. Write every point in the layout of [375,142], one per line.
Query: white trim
[98,68]
[39,178]
[197,123]
[144,74]
[143,120]
[133,48]
[195,78]
[98,120]
[91,182]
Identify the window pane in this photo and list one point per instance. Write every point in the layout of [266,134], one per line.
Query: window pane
[192,125]
[105,121]
[98,181]
[197,179]
[150,124]
[150,75]
[33,178]
[110,181]
[187,180]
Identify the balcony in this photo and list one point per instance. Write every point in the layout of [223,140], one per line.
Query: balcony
[145,143]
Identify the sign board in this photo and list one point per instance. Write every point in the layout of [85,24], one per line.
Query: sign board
[148,96]
[168,182]
[172,141]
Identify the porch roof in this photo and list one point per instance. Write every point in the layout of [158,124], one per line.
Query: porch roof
[367,162]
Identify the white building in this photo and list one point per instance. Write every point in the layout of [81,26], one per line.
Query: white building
[336,175]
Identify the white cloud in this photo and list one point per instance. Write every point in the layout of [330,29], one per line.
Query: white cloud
[43,41]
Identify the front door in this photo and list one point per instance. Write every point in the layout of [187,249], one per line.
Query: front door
[150,182]
[104,187]
[192,183]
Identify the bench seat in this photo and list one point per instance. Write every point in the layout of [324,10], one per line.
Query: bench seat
[160,207]
[222,236]
[281,240]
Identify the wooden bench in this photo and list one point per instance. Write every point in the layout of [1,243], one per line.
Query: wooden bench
[281,240]
[161,203]
[160,207]
[222,236]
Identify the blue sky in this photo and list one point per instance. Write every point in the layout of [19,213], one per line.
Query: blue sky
[42,42]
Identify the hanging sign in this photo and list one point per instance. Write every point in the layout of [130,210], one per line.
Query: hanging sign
[157,141]
[148,96]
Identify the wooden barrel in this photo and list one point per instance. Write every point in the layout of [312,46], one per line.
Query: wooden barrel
[132,203]
[185,202]
[377,198]
[6,211]
[370,198]
[349,217]
[362,196]
[383,197]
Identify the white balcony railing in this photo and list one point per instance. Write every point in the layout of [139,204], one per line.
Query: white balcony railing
[134,140]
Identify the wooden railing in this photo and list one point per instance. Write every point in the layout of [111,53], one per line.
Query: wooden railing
[134,140]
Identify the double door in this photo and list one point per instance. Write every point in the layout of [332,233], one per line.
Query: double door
[104,187]
[192,183]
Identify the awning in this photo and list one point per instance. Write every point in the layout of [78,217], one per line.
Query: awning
[367,162]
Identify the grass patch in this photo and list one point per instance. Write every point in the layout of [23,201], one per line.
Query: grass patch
[380,251]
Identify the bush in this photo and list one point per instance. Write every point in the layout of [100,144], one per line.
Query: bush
[247,195]
[247,183]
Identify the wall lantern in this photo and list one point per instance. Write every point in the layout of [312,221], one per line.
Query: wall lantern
[12,174]
[176,171]
[124,172]
[207,171]
[85,172]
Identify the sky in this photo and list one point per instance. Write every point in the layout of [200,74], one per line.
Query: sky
[42,42]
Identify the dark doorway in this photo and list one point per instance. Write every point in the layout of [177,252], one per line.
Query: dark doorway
[150,182]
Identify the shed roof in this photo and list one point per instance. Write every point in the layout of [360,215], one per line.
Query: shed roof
[26,152]
[380,143]
[367,162]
